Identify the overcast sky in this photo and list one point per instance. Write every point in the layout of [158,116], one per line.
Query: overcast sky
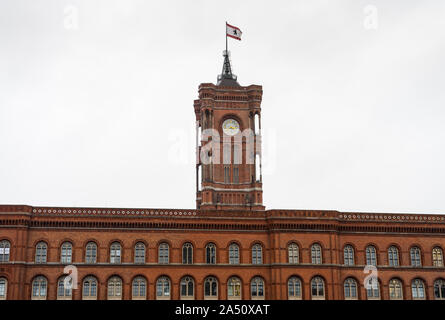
[96,100]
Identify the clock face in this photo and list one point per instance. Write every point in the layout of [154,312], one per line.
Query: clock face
[230,127]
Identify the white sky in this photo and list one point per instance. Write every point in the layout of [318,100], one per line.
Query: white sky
[98,111]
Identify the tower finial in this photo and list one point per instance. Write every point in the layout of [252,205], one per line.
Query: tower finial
[227,78]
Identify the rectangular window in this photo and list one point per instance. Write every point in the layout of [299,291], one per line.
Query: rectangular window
[236,175]
[226,174]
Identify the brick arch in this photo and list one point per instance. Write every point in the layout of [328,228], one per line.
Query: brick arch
[159,242]
[234,116]
[85,242]
[192,242]
[230,242]
[116,240]
[46,240]
[136,241]
[66,240]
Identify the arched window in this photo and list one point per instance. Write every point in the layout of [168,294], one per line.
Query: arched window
[5,248]
[163,288]
[115,252]
[393,256]
[139,288]
[210,288]
[187,288]
[348,255]
[39,288]
[294,289]
[234,288]
[66,253]
[257,288]
[3,288]
[317,288]
[418,289]
[316,254]
[439,289]
[41,249]
[91,252]
[139,253]
[395,289]
[89,291]
[350,287]
[210,253]
[115,288]
[371,256]
[64,292]
[187,253]
[416,260]
[163,254]
[257,123]
[234,254]
[437,257]
[373,289]
[257,254]
[293,253]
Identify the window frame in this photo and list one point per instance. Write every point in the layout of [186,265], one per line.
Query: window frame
[115,288]
[90,280]
[140,251]
[348,255]
[138,280]
[293,281]
[234,254]
[317,280]
[4,290]
[293,253]
[187,283]
[66,253]
[5,245]
[234,285]
[213,285]
[417,284]
[210,253]
[39,280]
[395,285]
[41,258]
[164,253]
[316,254]
[116,252]
[91,247]
[166,283]
[257,254]
[349,286]
[187,253]
[64,296]
[393,257]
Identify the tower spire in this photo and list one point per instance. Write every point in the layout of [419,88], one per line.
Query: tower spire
[227,78]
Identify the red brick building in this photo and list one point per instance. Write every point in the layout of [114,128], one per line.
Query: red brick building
[230,247]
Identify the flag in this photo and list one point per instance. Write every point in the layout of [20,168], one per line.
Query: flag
[233,32]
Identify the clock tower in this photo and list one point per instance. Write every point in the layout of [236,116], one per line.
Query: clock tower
[228,144]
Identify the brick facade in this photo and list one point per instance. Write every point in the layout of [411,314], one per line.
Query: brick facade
[229,211]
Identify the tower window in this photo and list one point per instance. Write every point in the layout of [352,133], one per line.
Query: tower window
[226,174]
[235,175]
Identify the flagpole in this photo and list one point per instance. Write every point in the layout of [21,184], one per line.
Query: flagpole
[226,39]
